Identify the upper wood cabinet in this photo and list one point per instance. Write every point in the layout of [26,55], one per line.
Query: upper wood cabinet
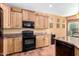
[41,22]
[12,18]
[16,20]
[6,15]
[29,15]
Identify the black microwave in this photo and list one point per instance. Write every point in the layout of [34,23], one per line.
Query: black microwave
[28,24]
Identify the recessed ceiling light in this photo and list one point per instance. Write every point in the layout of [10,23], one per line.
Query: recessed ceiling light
[50,6]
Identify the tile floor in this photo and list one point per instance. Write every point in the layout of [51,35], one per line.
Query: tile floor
[46,51]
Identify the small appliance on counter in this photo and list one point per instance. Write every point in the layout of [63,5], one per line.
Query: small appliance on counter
[1,34]
[53,38]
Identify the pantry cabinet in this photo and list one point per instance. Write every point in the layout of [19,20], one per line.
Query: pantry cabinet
[12,44]
[16,20]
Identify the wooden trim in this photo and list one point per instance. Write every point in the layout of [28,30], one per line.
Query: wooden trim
[29,10]
[15,9]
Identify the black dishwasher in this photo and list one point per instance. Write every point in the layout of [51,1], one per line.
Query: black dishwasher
[64,49]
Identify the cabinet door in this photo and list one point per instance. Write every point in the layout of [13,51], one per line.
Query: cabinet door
[47,40]
[8,46]
[28,15]
[25,15]
[41,22]
[39,41]
[16,20]
[76,51]
[6,15]
[17,44]
[32,16]
[45,22]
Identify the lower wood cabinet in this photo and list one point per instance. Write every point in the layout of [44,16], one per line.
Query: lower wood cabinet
[76,51]
[39,41]
[8,46]
[43,40]
[12,45]
[47,40]
[17,44]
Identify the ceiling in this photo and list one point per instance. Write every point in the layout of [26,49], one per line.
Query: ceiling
[62,9]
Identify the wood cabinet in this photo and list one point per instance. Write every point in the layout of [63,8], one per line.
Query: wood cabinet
[16,20]
[43,40]
[12,44]
[41,22]
[39,41]
[47,40]
[6,15]
[76,51]
[17,44]
[8,46]
[29,15]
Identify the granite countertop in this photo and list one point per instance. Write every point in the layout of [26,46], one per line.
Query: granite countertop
[76,45]
[12,35]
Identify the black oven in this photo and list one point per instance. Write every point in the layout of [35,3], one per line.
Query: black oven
[28,24]
[29,40]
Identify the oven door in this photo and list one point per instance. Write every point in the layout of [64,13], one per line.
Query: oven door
[28,44]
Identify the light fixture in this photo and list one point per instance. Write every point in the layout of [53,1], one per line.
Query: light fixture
[50,5]
[77,15]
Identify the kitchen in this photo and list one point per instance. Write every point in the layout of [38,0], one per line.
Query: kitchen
[24,30]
